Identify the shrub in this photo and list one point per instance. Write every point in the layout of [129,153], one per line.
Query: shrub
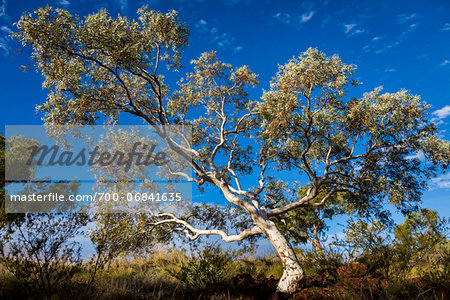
[208,269]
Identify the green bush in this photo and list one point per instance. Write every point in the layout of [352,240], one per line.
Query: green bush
[208,269]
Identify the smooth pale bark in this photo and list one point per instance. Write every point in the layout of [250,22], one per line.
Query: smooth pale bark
[293,272]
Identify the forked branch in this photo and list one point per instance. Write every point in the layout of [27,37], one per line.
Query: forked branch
[193,233]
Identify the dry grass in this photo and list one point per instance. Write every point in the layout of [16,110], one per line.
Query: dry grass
[244,277]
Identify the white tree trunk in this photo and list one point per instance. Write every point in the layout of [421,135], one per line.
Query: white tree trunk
[293,272]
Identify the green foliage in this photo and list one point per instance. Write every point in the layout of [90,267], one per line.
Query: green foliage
[6,219]
[419,242]
[206,270]
[323,265]
[41,254]
[3,216]
[105,66]
[371,245]
[362,144]
[352,154]
[37,249]
[309,224]
[138,278]
[422,233]
[87,64]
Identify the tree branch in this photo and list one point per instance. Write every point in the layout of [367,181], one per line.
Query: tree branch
[193,233]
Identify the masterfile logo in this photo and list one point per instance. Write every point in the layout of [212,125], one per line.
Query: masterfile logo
[67,168]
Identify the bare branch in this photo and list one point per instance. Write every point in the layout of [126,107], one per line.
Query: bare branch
[193,233]
[311,193]
[351,157]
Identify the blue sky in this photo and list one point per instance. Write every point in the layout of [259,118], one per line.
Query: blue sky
[396,44]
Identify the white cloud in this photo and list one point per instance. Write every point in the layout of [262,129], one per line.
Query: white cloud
[232,2]
[390,70]
[213,35]
[446,27]
[202,25]
[442,182]
[3,8]
[422,56]
[442,113]
[306,17]
[285,18]
[223,40]
[445,62]
[4,41]
[4,46]
[326,20]
[403,18]
[397,41]
[295,19]
[123,5]
[64,3]
[419,155]
[238,49]
[349,27]
[374,42]
[5,29]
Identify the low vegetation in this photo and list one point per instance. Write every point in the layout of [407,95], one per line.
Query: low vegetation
[214,273]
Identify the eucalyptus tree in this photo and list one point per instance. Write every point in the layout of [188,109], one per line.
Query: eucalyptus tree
[309,224]
[99,67]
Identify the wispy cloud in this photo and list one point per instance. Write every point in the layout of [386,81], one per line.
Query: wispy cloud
[193,2]
[64,3]
[237,49]
[445,62]
[3,8]
[202,25]
[419,155]
[213,35]
[351,29]
[306,17]
[374,42]
[403,18]
[399,39]
[442,182]
[123,5]
[5,48]
[390,70]
[223,40]
[295,19]
[442,113]
[235,2]
[422,56]
[411,27]
[5,29]
[446,27]
[325,20]
[285,18]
